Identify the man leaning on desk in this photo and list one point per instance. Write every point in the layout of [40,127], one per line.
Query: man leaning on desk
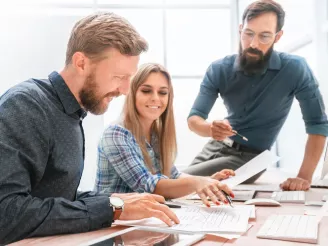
[258,86]
[42,140]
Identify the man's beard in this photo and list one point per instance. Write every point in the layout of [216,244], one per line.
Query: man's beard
[90,98]
[253,64]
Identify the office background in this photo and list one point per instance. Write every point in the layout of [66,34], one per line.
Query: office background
[184,35]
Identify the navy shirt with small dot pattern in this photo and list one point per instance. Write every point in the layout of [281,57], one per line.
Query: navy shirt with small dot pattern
[41,163]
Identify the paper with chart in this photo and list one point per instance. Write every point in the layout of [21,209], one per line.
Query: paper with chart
[251,168]
[199,220]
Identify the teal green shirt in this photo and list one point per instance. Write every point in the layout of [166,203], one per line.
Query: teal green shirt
[258,105]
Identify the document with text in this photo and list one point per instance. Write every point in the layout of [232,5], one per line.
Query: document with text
[200,220]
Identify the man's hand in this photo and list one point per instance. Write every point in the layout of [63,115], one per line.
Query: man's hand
[223,174]
[295,184]
[208,187]
[139,206]
[221,129]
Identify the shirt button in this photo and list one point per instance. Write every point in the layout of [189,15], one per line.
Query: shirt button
[253,86]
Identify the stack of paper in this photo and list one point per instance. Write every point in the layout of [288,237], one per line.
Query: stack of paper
[195,219]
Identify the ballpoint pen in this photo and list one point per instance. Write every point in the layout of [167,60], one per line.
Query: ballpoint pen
[171,204]
[228,198]
[243,137]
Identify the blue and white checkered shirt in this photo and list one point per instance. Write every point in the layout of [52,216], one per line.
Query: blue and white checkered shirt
[121,166]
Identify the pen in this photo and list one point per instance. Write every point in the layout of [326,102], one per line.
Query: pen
[172,205]
[243,137]
[227,197]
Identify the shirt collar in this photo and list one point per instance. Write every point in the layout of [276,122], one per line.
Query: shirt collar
[66,97]
[274,63]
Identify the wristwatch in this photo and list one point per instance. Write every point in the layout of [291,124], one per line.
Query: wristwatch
[118,205]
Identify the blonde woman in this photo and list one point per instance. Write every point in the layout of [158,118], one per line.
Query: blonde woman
[137,154]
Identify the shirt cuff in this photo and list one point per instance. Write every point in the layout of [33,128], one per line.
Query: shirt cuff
[151,184]
[99,211]
[178,174]
[321,129]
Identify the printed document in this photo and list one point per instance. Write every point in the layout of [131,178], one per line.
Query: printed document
[199,220]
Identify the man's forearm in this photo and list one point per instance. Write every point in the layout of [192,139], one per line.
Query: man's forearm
[199,126]
[313,151]
[51,216]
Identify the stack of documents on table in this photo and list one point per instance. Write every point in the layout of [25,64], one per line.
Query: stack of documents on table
[196,219]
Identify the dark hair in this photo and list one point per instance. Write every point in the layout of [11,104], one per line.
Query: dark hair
[265,6]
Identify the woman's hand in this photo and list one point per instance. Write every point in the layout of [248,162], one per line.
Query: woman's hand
[212,188]
[223,174]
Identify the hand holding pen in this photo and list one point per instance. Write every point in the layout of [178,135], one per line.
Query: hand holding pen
[206,187]
[221,129]
[228,197]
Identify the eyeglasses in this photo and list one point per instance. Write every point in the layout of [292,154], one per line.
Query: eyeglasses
[264,38]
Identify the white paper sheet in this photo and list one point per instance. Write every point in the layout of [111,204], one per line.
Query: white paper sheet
[322,212]
[319,211]
[251,168]
[249,208]
[229,236]
[257,187]
[311,210]
[195,219]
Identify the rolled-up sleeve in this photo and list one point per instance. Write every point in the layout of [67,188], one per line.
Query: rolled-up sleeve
[175,173]
[207,95]
[311,102]
[122,152]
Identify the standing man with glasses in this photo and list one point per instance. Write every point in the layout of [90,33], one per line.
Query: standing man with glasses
[258,86]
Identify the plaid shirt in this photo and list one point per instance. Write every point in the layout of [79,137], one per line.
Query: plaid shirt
[121,166]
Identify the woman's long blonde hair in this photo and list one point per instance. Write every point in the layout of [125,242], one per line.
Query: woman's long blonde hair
[163,128]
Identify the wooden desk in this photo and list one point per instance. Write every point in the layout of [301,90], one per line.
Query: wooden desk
[249,238]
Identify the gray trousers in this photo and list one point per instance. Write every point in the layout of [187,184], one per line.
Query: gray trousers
[216,156]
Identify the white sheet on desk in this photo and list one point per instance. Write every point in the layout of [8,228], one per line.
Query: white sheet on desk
[196,219]
[317,211]
[251,168]
[250,208]
[311,210]
[258,187]
[230,236]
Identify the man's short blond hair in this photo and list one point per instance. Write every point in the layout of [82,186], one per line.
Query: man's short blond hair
[100,31]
